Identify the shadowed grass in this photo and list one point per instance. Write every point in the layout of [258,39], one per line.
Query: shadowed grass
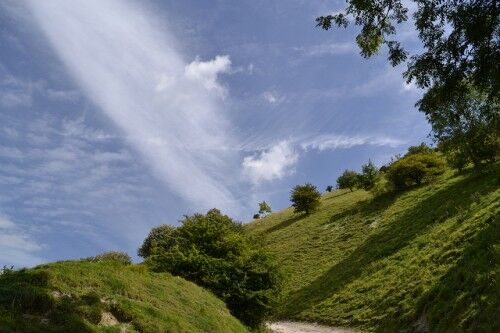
[378,264]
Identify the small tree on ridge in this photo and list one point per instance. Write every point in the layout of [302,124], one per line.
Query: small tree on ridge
[305,198]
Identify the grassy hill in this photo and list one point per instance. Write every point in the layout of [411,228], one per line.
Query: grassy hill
[424,260]
[83,296]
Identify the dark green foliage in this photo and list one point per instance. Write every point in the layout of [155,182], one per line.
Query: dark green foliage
[456,158]
[459,66]
[116,256]
[305,198]
[414,169]
[460,40]
[420,149]
[212,251]
[467,126]
[162,236]
[256,216]
[369,176]
[264,208]
[349,179]
[329,188]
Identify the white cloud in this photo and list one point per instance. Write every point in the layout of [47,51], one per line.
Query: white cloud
[206,72]
[169,110]
[17,247]
[273,97]
[327,49]
[332,142]
[273,163]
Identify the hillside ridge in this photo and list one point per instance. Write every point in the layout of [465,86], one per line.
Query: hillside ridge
[83,296]
[422,260]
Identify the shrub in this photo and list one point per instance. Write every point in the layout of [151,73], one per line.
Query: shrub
[414,169]
[329,188]
[349,179]
[256,216]
[305,198]
[420,149]
[264,208]
[115,256]
[369,175]
[213,251]
[162,236]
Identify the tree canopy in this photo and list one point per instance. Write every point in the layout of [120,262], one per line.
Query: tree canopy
[213,251]
[349,179]
[460,38]
[305,198]
[369,175]
[264,208]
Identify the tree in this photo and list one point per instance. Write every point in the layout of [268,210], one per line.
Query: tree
[264,208]
[349,179]
[414,169]
[329,188]
[465,126]
[213,251]
[420,149]
[305,198]
[461,40]
[162,236]
[369,175]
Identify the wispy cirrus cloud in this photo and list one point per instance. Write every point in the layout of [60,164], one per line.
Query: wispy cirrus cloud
[279,160]
[332,142]
[169,109]
[17,247]
[327,49]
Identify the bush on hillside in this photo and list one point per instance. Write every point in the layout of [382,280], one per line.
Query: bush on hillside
[369,175]
[305,198]
[414,170]
[213,251]
[162,236]
[329,188]
[115,256]
[420,149]
[349,179]
[264,208]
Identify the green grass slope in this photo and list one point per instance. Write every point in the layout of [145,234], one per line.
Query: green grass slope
[83,296]
[424,260]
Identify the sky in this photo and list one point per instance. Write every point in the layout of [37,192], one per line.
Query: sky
[116,116]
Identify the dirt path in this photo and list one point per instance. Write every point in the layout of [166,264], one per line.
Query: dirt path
[298,327]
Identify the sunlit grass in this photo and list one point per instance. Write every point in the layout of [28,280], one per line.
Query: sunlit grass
[428,257]
[141,301]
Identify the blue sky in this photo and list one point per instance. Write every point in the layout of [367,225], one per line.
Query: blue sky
[116,116]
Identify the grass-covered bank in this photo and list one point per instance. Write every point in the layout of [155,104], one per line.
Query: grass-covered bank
[425,259]
[84,296]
